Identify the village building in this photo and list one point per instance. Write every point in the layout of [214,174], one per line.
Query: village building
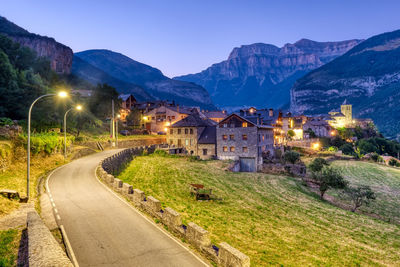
[127,102]
[193,135]
[244,141]
[294,124]
[216,116]
[319,126]
[344,118]
[160,118]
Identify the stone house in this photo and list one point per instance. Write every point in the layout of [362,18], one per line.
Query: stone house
[196,134]
[244,141]
[216,116]
[319,126]
[127,103]
[294,123]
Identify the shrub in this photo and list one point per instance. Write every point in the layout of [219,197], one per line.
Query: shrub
[6,121]
[332,149]
[394,163]
[45,142]
[291,156]
[359,195]
[347,149]
[375,157]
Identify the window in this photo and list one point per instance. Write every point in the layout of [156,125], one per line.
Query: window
[225,149]
[171,142]
[191,131]
[186,142]
[225,125]
[232,137]
[153,118]
[186,131]
[173,117]
[171,131]
[244,124]
[179,131]
[232,149]
[224,137]
[244,137]
[263,137]
[179,142]
[245,149]
[204,151]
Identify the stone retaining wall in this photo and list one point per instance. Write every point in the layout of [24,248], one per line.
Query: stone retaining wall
[43,248]
[223,254]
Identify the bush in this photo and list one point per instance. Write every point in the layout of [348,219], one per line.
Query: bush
[332,149]
[347,149]
[45,142]
[6,121]
[291,156]
[394,163]
[375,157]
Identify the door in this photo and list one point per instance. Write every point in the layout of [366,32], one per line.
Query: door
[247,164]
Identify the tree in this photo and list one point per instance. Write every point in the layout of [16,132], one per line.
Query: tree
[327,178]
[347,149]
[134,118]
[317,164]
[291,156]
[311,133]
[291,134]
[100,102]
[359,195]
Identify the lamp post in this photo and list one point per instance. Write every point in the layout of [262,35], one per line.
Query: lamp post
[116,126]
[28,161]
[78,107]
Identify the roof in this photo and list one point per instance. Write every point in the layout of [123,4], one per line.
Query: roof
[194,120]
[208,136]
[251,120]
[125,97]
[214,114]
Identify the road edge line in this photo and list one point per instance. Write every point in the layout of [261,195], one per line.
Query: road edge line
[146,218]
[69,249]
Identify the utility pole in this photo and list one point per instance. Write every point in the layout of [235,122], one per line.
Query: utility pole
[112,125]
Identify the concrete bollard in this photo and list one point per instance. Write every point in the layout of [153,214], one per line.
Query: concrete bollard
[127,189]
[153,206]
[172,219]
[230,256]
[110,179]
[138,196]
[117,184]
[197,235]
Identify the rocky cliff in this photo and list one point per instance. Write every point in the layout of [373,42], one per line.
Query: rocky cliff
[60,56]
[367,76]
[262,74]
[131,72]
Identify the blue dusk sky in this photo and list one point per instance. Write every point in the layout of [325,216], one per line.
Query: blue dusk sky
[181,37]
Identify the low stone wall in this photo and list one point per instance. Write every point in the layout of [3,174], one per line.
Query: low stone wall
[126,143]
[279,168]
[223,254]
[43,248]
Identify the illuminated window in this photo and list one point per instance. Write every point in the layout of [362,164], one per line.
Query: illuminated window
[187,142]
[245,149]
[225,149]
[232,137]
[232,149]
[179,131]
[171,131]
[224,137]
[244,124]
[263,137]
[244,137]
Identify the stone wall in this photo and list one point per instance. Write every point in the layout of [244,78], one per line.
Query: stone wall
[126,143]
[223,254]
[43,249]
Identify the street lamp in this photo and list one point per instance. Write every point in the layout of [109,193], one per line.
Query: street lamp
[116,126]
[79,108]
[61,94]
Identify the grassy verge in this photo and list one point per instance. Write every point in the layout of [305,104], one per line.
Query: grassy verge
[15,178]
[9,244]
[383,180]
[273,219]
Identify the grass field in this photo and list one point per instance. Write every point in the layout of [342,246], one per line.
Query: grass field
[15,178]
[273,219]
[383,180]
[9,244]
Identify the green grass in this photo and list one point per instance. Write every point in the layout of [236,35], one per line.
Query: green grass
[9,244]
[273,219]
[383,180]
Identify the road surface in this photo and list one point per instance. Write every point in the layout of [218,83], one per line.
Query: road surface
[102,229]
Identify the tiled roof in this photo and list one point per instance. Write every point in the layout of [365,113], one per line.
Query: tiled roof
[124,97]
[214,114]
[194,120]
[208,136]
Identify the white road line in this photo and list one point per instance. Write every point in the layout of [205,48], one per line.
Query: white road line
[58,217]
[54,205]
[150,221]
[55,210]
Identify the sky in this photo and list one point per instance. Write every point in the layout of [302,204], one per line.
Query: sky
[187,36]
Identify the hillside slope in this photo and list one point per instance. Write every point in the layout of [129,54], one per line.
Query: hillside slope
[368,76]
[262,74]
[60,55]
[150,79]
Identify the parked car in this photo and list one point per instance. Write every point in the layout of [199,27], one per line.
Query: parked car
[161,133]
[125,132]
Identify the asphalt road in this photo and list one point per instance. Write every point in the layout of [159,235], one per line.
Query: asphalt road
[102,229]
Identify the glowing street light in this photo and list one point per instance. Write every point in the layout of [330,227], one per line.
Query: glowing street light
[61,94]
[79,108]
[315,146]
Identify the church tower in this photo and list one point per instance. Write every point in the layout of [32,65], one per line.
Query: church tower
[346,110]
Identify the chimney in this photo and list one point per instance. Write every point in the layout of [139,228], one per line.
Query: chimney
[241,112]
[224,111]
[271,112]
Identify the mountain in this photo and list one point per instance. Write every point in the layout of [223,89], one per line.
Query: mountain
[133,73]
[367,76]
[60,56]
[262,74]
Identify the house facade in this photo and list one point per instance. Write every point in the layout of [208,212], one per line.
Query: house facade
[128,101]
[242,140]
[195,134]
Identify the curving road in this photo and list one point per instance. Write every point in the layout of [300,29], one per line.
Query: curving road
[102,229]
